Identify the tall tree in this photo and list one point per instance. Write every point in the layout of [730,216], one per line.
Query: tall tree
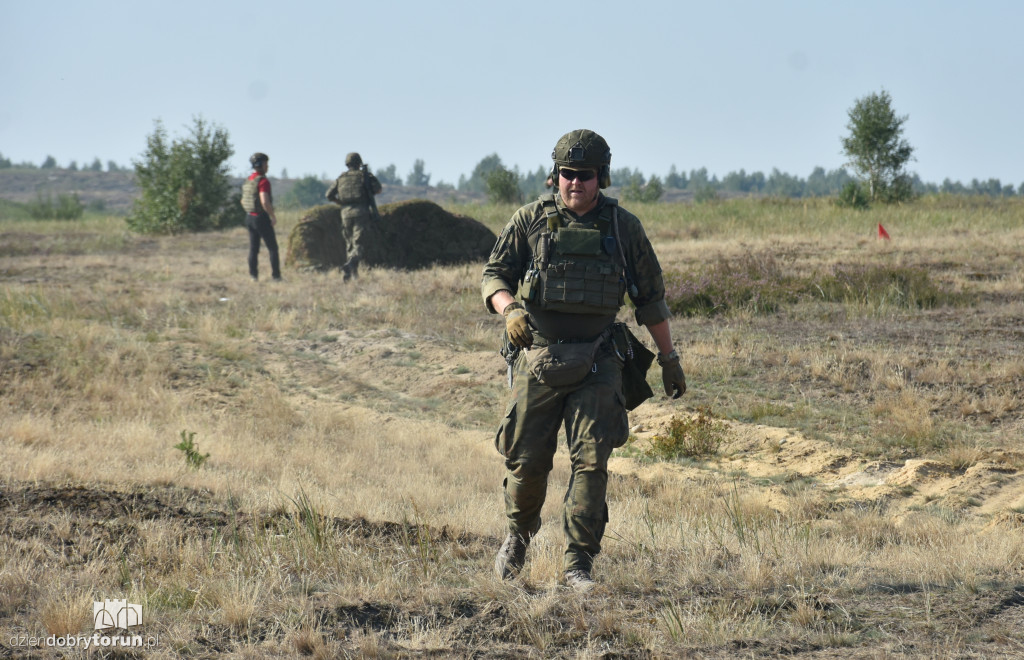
[876,147]
[417,177]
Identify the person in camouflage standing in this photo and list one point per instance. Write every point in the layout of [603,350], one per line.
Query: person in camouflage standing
[354,191]
[571,256]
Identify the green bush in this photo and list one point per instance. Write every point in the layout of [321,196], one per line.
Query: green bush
[308,191]
[695,437]
[898,286]
[638,191]
[853,196]
[184,185]
[503,186]
[67,207]
[705,194]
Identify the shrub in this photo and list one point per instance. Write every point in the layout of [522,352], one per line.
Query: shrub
[705,194]
[67,207]
[899,286]
[308,191]
[190,450]
[853,196]
[754,282]
[184,185]
[700,436]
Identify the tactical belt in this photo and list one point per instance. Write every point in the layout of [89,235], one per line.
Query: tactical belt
[542,340]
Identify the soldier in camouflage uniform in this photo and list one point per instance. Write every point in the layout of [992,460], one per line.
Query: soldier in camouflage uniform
[571,256]
[354,191]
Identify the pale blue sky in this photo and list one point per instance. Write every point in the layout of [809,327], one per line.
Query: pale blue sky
[723,85]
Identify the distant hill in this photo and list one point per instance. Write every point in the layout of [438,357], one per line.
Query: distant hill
[117,190]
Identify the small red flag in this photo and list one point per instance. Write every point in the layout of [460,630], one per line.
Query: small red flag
[881,232]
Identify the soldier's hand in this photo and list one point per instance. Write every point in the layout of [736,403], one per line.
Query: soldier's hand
[517,324]
[672,375]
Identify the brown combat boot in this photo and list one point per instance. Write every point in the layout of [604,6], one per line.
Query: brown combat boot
[579,580]
[511,556]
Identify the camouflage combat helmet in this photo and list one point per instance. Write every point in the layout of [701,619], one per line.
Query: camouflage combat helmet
[353,160]
[583,148]
[258,159]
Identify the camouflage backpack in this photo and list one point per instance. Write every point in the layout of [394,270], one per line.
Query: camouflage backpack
[351,188]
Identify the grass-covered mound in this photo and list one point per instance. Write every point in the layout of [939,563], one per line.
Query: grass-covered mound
[412,234]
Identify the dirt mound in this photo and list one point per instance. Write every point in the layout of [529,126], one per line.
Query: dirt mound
[410,235]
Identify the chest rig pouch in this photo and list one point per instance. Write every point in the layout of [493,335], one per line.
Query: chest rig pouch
[574,268]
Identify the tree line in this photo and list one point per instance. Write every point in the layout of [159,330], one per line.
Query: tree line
[50,163]
[185,185]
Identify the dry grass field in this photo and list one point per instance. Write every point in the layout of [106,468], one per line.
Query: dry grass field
[307,469]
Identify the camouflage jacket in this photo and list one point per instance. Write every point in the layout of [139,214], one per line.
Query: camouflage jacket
[513,254]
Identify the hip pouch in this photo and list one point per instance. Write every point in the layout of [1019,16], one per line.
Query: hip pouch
[562,365]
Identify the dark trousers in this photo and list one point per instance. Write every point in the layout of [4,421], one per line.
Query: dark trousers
[259,226]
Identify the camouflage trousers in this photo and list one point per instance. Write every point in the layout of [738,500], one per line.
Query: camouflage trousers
[593,413]
[355,224]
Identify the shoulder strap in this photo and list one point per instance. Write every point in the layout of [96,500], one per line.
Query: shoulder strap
[551,211]
[630,281]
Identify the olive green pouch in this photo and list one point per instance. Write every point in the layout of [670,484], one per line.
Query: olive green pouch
[579,241]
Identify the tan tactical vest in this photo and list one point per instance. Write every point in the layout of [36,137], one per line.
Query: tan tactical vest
[575,270]
[351,189]
[251,194]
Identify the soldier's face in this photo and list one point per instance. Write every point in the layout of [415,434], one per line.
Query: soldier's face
[578,189]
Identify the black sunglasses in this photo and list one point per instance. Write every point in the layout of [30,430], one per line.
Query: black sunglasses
[578,175]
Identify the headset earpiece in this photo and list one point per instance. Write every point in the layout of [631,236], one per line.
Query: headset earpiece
[604,176]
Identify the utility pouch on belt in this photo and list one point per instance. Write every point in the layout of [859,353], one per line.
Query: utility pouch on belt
[637,360]
[561,365]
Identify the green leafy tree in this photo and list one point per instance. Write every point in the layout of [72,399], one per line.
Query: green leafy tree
[95,166]
[503,186]
[4,162]
[307,191]
[389,176]
[674,179]
[876,148]
[113,167]
[184,183]
[532,183]
[477,181]
[49,164]
[417,177]
[638,191]
[699,180]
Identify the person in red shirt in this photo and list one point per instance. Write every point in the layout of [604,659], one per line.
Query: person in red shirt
[258,203]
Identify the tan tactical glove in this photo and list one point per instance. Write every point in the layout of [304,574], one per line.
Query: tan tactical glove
[517,324]
[672,375]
